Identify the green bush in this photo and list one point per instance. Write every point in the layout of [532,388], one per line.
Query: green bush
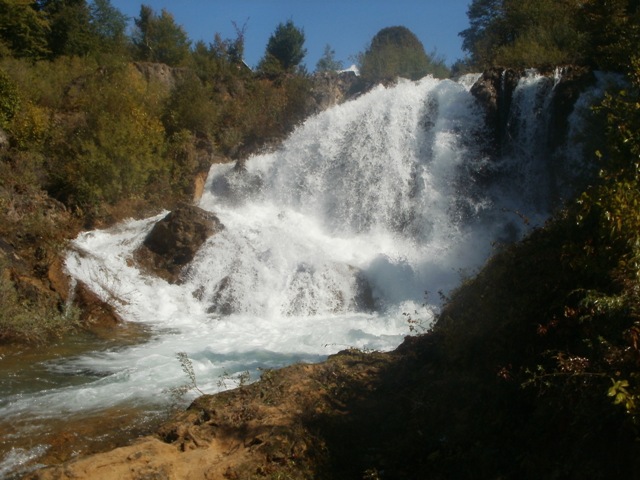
[190,107]
[9,99]
[113,146]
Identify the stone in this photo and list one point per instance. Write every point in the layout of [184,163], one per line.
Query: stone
[494,92]
[95,313]
[173,241]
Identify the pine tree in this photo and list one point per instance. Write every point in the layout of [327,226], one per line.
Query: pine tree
[285,50]
[159,38]
[327,62]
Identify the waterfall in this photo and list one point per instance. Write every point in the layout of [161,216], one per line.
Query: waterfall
[327,242]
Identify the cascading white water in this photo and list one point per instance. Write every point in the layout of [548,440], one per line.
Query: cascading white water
[327,241]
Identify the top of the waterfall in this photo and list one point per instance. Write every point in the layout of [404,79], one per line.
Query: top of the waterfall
[469,79]
[353,68]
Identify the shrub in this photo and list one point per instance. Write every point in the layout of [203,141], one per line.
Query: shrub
[114,146]
[9,100]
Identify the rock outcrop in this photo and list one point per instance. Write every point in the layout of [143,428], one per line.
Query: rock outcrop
[494,92]
[174,241]
[160,73]
[95,313]
[333,88]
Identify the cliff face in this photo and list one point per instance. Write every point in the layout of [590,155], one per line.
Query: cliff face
[495,89]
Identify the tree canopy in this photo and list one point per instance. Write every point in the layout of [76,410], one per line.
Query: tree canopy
[159,39]
[552,32]
[397,52]
[70,31]
[109,24]
[23,30]
[285,49]
[328,62]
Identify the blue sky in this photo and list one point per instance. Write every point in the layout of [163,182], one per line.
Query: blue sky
[346,25]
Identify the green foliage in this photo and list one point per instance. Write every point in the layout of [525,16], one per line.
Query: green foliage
[159,38]
[70,27]
[190,107]
[612,30]
[108,25]
[48,83]
[486,29]
[265,111]
[23,29]
[327,62]
[397,52]
[621,396]
[9,99]
[523,34]
[182,159]
[54,28]
[285,50]
[220,64]
[552,32]
[30,128]
[113,149]
[231,50]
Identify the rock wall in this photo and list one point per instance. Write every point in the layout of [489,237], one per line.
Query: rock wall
[494,92]
[332,88]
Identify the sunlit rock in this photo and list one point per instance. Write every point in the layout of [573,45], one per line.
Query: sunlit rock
[173,241]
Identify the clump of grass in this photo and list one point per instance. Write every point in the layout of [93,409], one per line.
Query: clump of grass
[187,367]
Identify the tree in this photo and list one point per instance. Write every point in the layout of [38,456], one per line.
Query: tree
[396,52]
[552,32]
[23,29]
[229,50]
[285,50]
[613,32]
[542,33]
[108,24]
[159,38]
[327,62]
[116,152]
[71,32]
[487,28]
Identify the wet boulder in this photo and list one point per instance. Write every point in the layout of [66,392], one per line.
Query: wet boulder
[173,242]
[494,92]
